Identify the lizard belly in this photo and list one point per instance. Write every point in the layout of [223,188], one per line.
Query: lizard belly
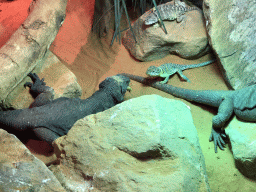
[247,114]
[164,75]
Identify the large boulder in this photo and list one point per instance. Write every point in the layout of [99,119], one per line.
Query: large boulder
[28,45]
[22,171]
[188,39]
[144,144]
[242,137]
[231,29]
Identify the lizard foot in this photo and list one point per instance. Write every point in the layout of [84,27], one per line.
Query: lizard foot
[217,137]
[163,82]
[36,80]
[38,86]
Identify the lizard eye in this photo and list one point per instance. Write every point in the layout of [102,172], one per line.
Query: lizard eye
[151,69]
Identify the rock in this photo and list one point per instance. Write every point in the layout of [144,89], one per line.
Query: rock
[74,33]
[102,17]
[11,18]
[55,74]
[231,29]
[29,44]
[187,39]
[22,171]
[144,144]
[198,3]
[242,136]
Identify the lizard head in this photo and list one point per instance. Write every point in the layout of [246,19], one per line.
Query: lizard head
[154,71]
[116,85]
[122,81]
[151,19]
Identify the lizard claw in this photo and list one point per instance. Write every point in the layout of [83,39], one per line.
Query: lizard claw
[28,84]
[129,89]
[37,85]
[163,82]
[34,77]
[217,137]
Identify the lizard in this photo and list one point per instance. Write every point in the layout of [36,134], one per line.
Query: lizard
[241,102]
[169,12]
[168,69]
[51,118]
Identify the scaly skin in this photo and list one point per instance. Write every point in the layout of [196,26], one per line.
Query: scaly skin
[168,69]
[242,102]
[50,119]
[169,11]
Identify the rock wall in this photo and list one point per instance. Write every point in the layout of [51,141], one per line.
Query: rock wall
[29,44]
[231,28]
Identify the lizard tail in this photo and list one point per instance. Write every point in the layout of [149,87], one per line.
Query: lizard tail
[198,65]
[175,91]
[208,97]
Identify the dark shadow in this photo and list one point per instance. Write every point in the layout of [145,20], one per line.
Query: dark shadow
[31,141]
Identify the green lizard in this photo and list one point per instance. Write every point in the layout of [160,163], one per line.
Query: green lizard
[168,69]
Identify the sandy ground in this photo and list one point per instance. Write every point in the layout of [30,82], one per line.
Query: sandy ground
[221,171]
[92,60]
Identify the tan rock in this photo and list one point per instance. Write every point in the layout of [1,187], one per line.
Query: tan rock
[188,39]
[29,44]
[144,144]
[231,29]
[242,137]
[55,74]
[22,171]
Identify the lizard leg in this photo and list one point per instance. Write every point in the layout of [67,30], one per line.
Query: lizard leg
[45,134]
[159,20]
[180,18]
[224,113]
[179,71]
[165,80]
[38,89]
[179,3]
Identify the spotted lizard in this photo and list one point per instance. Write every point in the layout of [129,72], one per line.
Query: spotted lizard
[169,11]
[168,69]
